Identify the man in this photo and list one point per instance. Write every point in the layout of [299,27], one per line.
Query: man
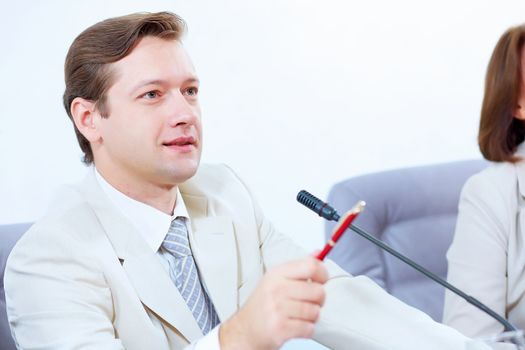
[152,251]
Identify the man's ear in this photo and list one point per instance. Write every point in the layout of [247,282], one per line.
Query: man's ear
[86,117]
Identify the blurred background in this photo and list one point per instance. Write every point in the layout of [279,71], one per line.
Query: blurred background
[295,94]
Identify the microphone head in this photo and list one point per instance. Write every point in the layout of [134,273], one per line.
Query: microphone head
[315,204]
[307,199]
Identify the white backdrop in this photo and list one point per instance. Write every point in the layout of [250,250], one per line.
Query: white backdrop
[295,94]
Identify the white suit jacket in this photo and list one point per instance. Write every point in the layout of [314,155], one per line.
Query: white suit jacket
[83,278]
[487,257]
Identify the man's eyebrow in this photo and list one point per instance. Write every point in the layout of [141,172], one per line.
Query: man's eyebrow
[148,82]
[191,80]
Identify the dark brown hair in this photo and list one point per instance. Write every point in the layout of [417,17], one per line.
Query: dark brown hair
[87,71]
[499,132]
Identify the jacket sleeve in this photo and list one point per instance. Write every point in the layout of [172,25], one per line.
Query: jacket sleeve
[358,314]
[56,298]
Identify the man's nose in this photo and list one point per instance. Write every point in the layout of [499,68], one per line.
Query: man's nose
[180,110]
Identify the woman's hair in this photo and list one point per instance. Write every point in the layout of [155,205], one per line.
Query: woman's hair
[499,131]
[87,68]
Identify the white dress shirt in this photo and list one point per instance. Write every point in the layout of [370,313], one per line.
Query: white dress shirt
[153,225]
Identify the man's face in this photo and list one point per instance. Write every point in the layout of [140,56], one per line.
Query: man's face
[153,132]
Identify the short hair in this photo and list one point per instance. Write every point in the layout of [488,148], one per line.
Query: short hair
[499,132]
[86,70]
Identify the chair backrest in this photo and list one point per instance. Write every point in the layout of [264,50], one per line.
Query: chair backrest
[9,235]
[414,211]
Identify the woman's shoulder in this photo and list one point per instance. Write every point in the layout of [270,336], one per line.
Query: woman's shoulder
[500,174]
[495,184]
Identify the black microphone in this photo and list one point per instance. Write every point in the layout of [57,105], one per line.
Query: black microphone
[318,206]
[321,208]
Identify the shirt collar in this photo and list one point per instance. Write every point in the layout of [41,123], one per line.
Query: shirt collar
[520,150]
[151,223]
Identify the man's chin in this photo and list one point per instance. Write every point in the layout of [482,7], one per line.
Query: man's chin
[183,172]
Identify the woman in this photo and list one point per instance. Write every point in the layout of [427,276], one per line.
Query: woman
[487,256]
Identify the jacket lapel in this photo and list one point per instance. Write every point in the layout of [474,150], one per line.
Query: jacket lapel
[520,175]
[143,267]
[157,292]
[520,169]
[215,251]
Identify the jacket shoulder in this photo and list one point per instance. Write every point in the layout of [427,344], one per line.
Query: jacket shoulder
[212,179]
[501,176]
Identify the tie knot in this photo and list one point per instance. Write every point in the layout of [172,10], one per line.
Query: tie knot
[176,241]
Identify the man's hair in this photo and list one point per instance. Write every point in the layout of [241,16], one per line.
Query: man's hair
[499,132]
[86,70]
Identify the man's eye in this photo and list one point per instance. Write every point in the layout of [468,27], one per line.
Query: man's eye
[150,95]
[192,91]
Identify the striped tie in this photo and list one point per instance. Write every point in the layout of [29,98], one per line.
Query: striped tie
[186,277]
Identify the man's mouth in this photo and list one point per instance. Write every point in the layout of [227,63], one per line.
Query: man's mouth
[181,143]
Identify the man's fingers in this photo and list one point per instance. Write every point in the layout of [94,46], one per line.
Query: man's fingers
[304,311]
[307,268]
[299,329]
[315,253]
[311,292]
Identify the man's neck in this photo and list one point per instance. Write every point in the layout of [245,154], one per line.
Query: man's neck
[161,197]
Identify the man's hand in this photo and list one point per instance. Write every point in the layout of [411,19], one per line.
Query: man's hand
[285,305]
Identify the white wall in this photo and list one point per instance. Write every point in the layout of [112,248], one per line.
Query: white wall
[296,94]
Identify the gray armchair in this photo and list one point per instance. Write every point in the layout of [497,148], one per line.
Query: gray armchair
[414,211]
[9,235]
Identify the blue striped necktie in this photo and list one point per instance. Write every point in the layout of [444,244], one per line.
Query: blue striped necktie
[185,275]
